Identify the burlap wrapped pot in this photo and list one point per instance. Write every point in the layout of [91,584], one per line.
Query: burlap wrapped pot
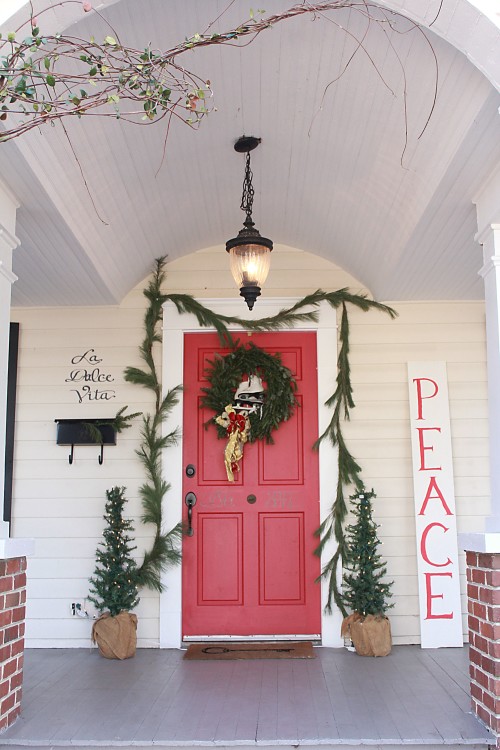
[371,635]
[116,637]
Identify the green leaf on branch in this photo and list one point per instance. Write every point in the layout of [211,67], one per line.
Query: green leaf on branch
[21,85]
[51,81]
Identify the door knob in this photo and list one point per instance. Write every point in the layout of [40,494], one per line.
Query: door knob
[190,501]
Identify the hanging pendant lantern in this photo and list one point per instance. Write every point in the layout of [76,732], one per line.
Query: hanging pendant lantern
[249,253]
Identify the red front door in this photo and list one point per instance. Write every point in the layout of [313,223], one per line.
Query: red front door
[249,568]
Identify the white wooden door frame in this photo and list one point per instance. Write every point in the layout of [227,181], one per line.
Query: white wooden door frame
[175,325]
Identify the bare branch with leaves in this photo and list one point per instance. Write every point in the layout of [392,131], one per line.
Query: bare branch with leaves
[45,78]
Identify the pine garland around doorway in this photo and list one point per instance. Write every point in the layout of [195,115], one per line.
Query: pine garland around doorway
[165,546]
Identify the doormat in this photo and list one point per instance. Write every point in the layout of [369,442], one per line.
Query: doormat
[268,650]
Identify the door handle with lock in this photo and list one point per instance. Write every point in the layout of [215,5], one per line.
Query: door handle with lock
[190,501]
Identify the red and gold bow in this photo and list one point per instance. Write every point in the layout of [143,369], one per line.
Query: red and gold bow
[236,422]
[237,427]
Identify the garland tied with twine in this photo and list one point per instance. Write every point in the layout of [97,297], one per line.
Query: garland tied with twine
[164,550]
[224,375]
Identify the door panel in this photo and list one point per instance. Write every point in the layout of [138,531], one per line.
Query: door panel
[220,548]
[249,568]
[285,465]
[281,558]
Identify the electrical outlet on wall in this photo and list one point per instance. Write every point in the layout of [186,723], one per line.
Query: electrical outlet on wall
[83,608]
[77,608]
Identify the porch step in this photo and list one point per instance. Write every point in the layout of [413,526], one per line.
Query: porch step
[480,744]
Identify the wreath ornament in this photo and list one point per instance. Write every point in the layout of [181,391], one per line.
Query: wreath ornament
[251,393]
[237,427]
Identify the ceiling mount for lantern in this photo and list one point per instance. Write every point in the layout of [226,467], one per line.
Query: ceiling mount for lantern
[249,252]
[246,143]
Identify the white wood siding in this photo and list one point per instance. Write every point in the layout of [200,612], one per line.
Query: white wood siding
[379,434]
[62,505]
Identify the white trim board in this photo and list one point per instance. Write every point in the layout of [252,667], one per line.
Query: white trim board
[174,327]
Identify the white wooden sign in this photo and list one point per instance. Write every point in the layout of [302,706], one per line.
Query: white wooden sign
[437,548]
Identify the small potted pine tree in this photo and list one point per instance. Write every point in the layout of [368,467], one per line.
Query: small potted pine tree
[365,592]
[114,583]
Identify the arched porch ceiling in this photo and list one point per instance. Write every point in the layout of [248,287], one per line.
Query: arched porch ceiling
[328,174]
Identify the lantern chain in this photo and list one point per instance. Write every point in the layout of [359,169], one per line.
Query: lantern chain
[248,191]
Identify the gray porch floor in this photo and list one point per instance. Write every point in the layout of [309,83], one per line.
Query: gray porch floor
[75,697]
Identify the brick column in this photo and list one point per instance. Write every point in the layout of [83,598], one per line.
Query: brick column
[12,615]
[483,591]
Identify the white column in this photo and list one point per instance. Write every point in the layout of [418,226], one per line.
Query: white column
[491,275]
[488,220]
[8,242]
